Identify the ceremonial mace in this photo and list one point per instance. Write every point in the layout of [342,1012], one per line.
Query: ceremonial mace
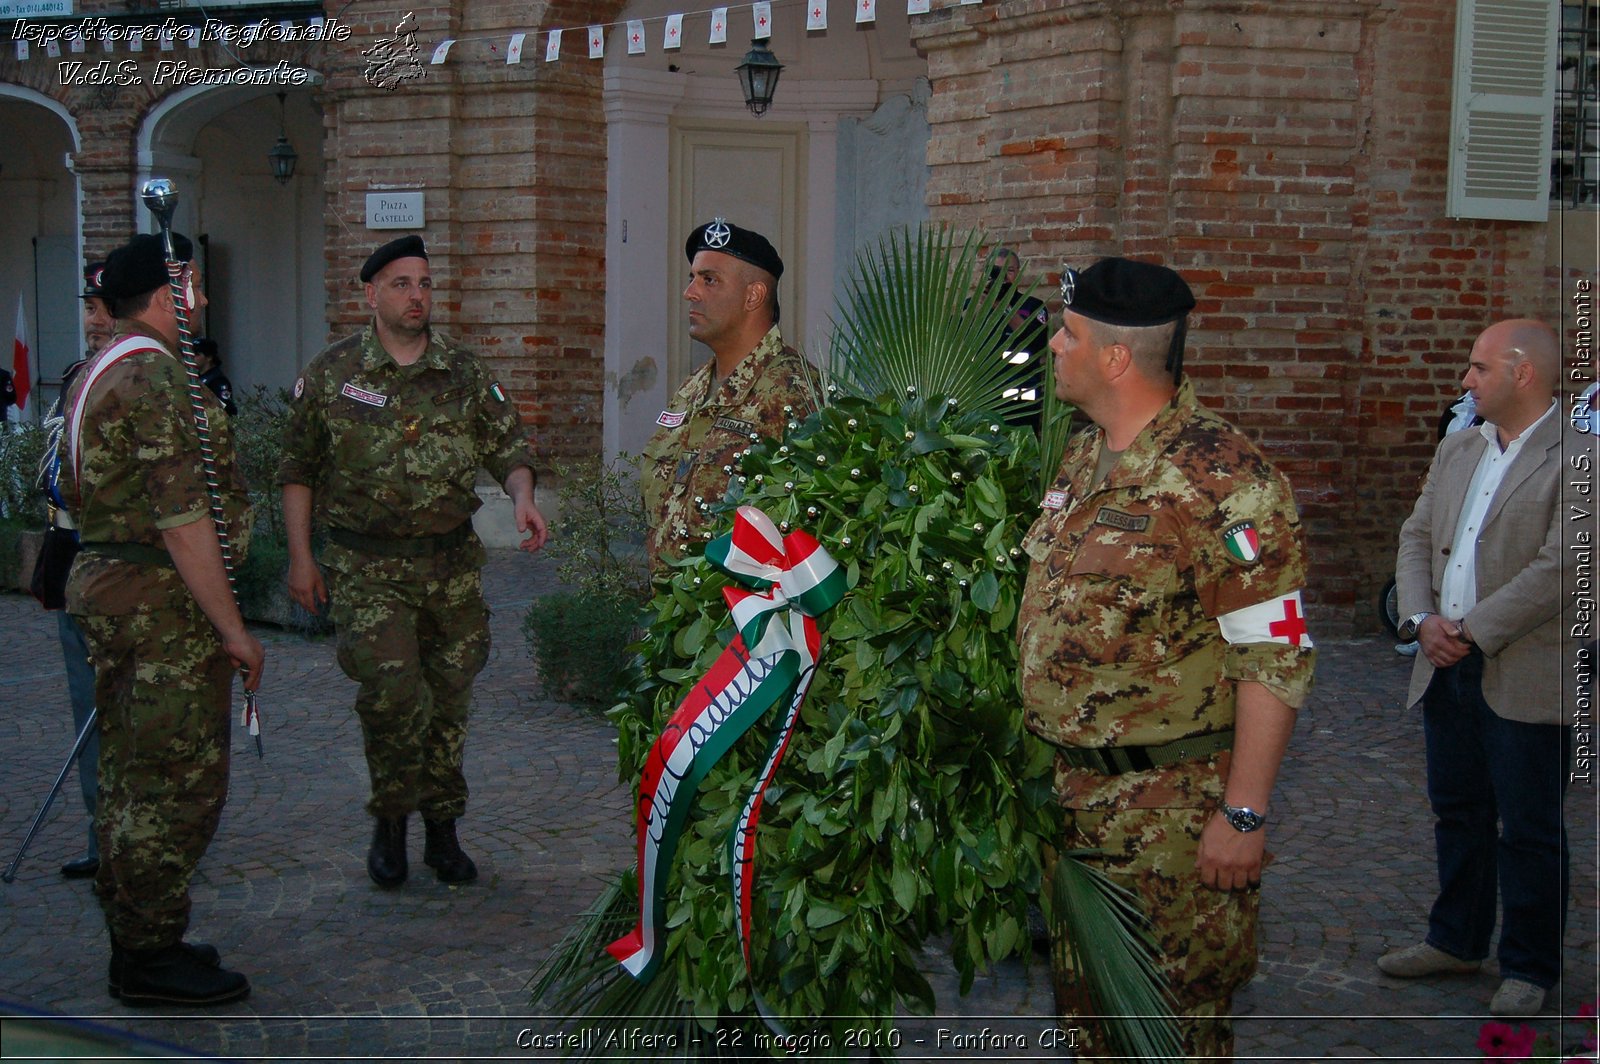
[161,196]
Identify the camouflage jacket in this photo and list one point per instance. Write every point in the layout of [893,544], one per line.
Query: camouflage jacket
[686,463]
[392,451]
[137,471]
[1118,633]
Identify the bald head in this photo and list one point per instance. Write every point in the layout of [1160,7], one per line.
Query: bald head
[1534,342]
[1512,373]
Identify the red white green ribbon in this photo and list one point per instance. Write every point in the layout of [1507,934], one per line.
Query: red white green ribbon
[770,661]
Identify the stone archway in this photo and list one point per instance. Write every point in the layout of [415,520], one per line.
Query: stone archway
[260,242]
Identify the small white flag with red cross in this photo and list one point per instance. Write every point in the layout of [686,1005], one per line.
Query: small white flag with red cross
[672,35]
[636,36]
[762,15]
[719,26]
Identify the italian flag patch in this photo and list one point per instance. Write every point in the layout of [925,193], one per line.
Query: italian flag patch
[1243,542]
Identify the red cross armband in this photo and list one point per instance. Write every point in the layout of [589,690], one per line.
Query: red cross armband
[1277,620]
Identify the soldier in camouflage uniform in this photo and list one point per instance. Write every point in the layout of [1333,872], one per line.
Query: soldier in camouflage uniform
[151,593]
[753,387]
[387,432]
[1162,646]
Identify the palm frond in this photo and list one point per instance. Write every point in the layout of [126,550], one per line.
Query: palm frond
[911,318]
[1056,427]
[1108,941]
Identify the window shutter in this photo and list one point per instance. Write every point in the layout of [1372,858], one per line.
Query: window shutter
[1502,105]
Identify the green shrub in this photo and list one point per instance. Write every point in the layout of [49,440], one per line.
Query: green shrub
[581,645]
[21,447]
[258,432]
[579,636]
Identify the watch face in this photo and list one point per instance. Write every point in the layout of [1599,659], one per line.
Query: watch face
[1245,819]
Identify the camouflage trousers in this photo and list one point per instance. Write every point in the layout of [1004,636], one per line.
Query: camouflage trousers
[162,685]
[1206,938]
[414,633]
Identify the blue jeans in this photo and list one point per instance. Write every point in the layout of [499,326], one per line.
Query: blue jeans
[1482,767]
[80,688]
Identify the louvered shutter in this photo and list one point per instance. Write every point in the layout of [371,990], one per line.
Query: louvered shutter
[1502,106]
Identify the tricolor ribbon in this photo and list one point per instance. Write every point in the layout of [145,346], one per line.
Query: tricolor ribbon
[771,660]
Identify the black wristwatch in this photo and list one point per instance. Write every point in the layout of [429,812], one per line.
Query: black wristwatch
[1408,627]
[1243,818]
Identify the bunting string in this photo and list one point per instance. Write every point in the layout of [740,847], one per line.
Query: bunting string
[512,43]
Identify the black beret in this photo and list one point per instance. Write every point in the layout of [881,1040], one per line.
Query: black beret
[140,266]
[1125,292]
[406,247]
[746,244]
[91,281]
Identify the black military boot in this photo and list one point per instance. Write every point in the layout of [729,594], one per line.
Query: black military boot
[174,975]
[203,952]
[386,861]
[442,853]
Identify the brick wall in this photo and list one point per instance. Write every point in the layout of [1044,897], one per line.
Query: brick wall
[1287,158]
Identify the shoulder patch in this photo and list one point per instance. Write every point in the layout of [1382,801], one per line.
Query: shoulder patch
[1243,542]
[1054,499]
[299,387]
[671,419]
[494,390]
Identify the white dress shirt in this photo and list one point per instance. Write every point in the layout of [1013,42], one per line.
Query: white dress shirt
[1458,590]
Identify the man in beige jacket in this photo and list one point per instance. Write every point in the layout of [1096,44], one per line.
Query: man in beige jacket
[1479,581]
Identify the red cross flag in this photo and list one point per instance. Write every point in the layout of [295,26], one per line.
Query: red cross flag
[817,15]
[636,36]
[672,36]
[719,26]
[1277,620]
[866,11]
[762,13]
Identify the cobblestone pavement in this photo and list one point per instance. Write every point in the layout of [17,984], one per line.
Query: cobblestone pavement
[343,970]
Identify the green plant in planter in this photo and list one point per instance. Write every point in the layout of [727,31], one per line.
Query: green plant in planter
[911,801]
